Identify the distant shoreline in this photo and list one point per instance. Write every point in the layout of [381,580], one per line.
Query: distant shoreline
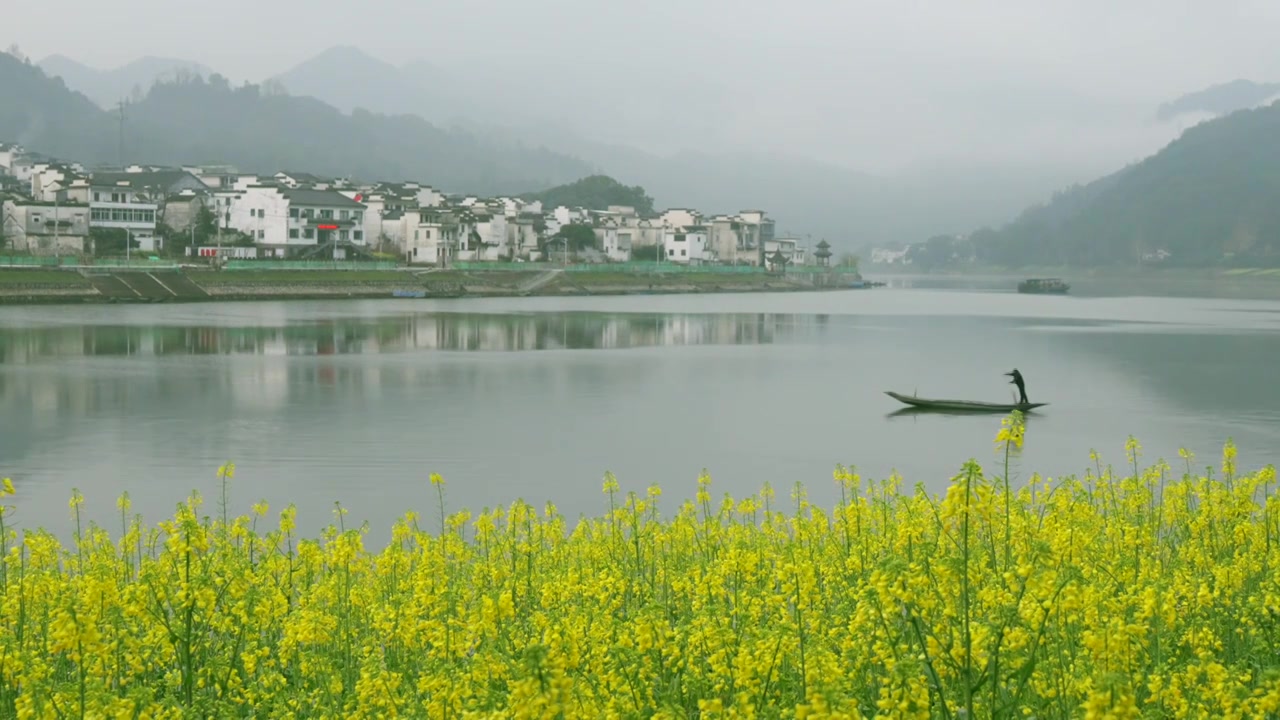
[1149,272]
[63,287]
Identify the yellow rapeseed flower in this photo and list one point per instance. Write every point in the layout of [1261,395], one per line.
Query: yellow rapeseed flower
[1122,594]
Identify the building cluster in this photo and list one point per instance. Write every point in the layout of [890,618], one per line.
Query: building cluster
[54,207]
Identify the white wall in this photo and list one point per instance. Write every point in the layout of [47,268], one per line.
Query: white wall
[684,248]
[7,155]
[45,182]
[421,241]
[263,215]
[568,216]
[494,233]
[523,237]
[681,217]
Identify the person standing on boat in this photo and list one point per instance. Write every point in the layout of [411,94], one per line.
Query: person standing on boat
[1022,388]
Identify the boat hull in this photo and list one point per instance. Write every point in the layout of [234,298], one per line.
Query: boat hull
[961,405]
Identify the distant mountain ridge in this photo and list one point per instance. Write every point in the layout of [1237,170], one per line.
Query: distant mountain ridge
[496,108]
[193,120]
[1221,99]
[130,81]
[807,197]
[1207,198]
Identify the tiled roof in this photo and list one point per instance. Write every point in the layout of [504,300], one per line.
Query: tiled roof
[320,198]
[163,179]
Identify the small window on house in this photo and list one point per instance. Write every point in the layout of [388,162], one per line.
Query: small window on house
[683,253]
[671,253]
[326,214]
[357,235]
[357,216]
[344,235]
[293,233]
[97,197]
[293,213]
[309,234]
[344,214]
[262,234]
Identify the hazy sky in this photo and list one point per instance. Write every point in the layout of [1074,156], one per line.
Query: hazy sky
[871,84]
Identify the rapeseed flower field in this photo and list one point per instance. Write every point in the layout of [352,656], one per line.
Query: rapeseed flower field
[1147,592]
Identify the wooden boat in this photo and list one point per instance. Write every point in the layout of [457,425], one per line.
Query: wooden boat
[961,405]
[1044,286]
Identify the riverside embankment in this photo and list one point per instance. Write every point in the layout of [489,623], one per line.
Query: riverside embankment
[177,284]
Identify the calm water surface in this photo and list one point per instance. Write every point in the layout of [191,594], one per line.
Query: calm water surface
[536,398]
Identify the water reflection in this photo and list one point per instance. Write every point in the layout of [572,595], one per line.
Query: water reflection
[436,331]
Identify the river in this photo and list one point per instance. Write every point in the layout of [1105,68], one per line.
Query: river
[536,398]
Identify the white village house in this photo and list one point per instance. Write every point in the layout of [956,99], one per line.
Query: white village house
[285,222]
[685,245]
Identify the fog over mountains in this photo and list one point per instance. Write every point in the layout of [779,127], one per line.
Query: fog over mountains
[679,137]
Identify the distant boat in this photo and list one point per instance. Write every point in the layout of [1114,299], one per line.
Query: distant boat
[1044,286]
[961,405]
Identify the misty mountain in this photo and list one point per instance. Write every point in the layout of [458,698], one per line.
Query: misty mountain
[847,207]
[1206,198]
[350,79]
[575,111]
[131,81]
[199,121]
[1221,99]
[210,121]
[587,98]
[51,118]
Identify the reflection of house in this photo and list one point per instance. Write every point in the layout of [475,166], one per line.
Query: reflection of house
[45,228]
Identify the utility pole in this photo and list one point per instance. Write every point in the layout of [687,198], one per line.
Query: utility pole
[57,223]
[120,139]
[217,259]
